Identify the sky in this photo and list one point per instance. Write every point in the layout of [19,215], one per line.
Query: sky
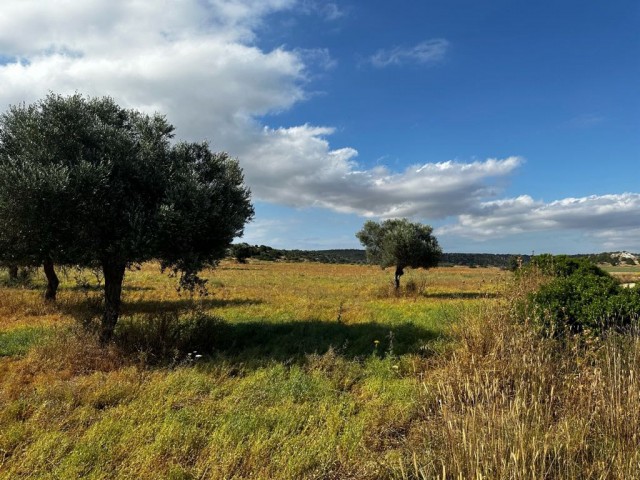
[509,126]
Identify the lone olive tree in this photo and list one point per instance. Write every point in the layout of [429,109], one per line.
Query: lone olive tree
[86,182]
[400,243]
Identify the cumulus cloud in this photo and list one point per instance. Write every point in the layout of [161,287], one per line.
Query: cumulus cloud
[427,52]
[316,176]
[619,239]
[198,62]
[192,60]
[610,219]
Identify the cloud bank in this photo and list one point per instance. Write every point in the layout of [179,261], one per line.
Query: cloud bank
[613,220]
[200,63]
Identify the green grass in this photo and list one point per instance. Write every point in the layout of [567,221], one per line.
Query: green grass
[307,371]
[18,341]
[311,371]
[621,268]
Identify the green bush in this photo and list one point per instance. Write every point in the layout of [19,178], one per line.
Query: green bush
[582,297]
[565,266]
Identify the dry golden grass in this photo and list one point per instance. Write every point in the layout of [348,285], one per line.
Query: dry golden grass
[510,404]
[316,371]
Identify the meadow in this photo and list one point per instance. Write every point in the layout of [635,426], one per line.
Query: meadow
[624,273]
[307,370]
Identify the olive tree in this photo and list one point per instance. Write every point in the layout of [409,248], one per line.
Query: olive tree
[400,243]
[38,144]
[111,190]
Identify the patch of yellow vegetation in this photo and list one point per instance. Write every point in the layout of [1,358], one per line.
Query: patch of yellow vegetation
[328,373]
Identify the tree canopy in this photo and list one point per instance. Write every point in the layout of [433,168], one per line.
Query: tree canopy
[86,182]
[400,243]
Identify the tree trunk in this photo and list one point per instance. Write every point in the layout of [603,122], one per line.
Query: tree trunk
[399,273]
[113,276]
[52,280]
[13,273]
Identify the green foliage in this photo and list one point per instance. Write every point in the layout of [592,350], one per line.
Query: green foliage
[565,266]
[582,297]
[86,182]
[205,206]
[241,252]
[400,243]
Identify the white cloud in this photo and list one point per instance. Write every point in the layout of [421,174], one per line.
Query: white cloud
[319,57]
[612,220]
[296,167]
[427,52]
[619,239]
[197,62]
[192,60]
[328,10]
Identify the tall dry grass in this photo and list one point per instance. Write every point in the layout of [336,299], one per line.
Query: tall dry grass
[511,404]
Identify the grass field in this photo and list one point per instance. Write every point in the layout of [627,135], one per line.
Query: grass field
[624,273]
[308,371]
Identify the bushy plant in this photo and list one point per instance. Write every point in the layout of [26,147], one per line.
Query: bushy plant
[565,266]
[581,297]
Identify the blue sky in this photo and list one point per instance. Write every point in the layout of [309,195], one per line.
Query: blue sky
[509,126]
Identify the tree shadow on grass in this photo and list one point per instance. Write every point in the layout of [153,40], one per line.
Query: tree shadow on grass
[169,336]
[461,295]
[89,309]
[166,331]
[282,341]
[182,304]
[100,288]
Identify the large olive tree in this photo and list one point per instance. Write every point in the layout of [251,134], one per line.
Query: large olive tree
[34,186]
[400,243]
[84,181]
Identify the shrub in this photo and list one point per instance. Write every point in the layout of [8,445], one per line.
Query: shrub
[581,297]
[23,277]
[565,266]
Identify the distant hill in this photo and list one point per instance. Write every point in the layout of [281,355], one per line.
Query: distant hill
[615,258]
[357,256]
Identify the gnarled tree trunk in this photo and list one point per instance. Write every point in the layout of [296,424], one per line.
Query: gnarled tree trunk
[399,273]
[113,277]
[52,280]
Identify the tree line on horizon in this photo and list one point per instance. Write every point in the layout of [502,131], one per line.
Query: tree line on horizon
[244,251]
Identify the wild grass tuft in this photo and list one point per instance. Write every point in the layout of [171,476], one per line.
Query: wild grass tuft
[18,341]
